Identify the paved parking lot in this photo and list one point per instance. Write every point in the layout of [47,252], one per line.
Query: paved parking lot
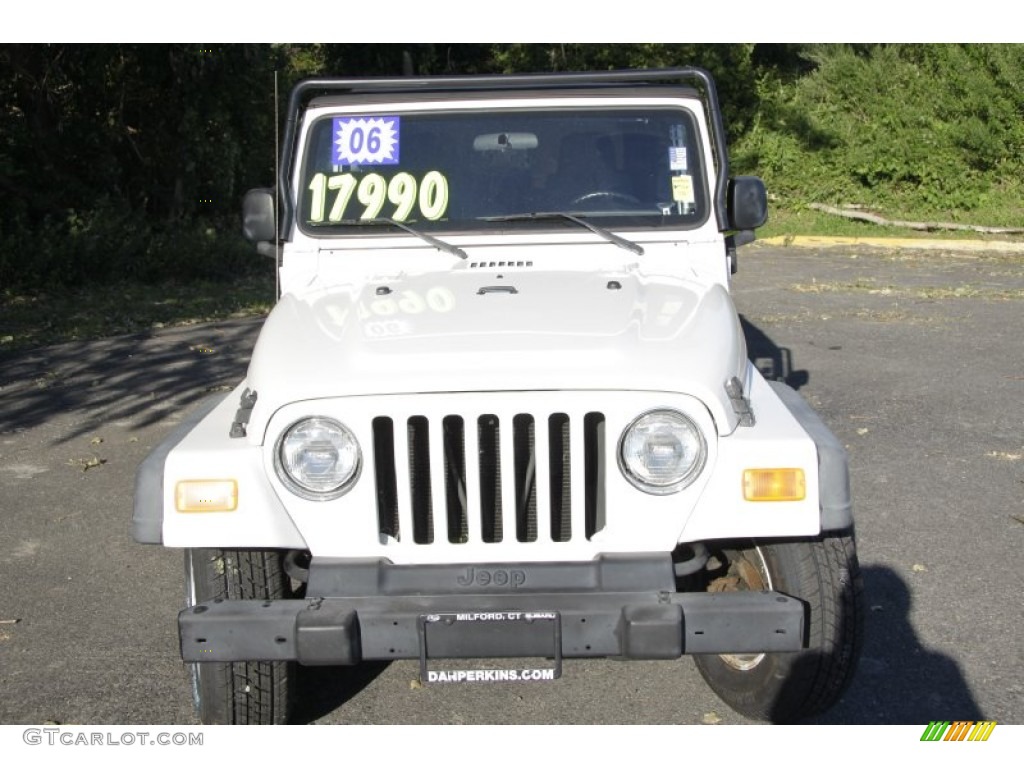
[915,360]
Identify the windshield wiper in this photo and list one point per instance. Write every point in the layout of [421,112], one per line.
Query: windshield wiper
[611,237]
[441,245]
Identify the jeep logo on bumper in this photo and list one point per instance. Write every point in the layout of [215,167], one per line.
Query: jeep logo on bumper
[499,577]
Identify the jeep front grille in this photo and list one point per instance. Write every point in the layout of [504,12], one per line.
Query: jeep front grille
[489,479]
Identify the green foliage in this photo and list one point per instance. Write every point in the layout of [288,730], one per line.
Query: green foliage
[918,129]
[118,160]
[129,160]
[732,66]
[108,243]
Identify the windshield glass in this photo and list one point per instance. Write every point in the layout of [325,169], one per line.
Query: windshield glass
[468,170]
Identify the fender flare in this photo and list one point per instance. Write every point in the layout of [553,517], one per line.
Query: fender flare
[148,512]
[833,469]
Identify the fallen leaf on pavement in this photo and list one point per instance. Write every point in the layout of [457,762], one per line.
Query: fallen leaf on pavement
[87,464]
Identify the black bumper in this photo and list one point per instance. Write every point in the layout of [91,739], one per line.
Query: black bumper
[623,607]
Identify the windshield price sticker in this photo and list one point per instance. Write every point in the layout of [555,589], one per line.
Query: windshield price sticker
[677,158]
[366,140]
[682,189]
[429,195]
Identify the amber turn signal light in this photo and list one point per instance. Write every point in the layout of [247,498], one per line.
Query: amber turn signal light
[774,485]
[206,496]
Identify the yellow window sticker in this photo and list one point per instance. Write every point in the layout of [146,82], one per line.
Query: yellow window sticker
[682,189]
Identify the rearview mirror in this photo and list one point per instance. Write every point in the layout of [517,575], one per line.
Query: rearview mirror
[747,203]
[258,216]
[492,142]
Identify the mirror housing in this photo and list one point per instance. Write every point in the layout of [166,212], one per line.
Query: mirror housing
[258,221]
[747,203]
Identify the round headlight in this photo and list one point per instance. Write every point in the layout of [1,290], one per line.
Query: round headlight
[318,458]
[662,452]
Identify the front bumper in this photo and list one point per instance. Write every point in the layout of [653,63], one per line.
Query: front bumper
[622,607]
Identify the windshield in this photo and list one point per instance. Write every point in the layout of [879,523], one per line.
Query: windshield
[464,170]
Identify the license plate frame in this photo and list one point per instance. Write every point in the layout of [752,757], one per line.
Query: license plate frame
[490,635]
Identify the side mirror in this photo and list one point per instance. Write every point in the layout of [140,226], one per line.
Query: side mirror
[747,203]
[258,216]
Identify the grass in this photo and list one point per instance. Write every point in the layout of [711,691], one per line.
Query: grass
[41,318]
[924,292]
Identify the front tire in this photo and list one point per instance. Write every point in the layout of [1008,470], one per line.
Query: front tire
[244,692]
[787,687]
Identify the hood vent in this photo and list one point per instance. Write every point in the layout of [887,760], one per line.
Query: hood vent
[499,264]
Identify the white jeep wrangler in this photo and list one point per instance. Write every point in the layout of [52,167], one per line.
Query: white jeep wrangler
[503,410]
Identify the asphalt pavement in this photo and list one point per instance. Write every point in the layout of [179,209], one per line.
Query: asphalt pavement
[914,359]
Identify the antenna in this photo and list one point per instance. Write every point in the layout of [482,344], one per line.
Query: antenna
[277,193]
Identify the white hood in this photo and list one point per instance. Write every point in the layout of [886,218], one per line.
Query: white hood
[501,329]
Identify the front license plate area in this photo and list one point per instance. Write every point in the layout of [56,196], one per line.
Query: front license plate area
[491,635]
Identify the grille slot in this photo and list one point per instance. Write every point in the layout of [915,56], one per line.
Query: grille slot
[384,476]
[560,472]
[488,437]
[511,480]
[594,446]
[419,480]
[526,486]
[455,478]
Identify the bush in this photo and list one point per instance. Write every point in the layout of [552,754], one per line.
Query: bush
[109,244]
[920,129]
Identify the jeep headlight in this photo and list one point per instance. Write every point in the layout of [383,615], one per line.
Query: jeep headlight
[662,452]
[317,458]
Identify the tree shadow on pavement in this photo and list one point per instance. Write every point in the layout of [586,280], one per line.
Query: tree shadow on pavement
[141,378]
[898,680]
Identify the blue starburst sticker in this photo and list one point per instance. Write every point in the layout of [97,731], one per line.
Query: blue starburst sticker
[366,140]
